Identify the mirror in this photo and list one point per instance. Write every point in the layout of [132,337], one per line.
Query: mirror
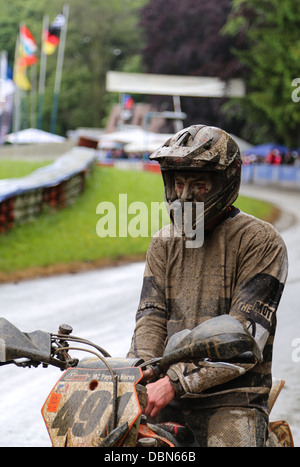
[220,339]
[16,344]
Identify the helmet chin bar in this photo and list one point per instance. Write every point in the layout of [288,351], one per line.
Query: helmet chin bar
[188,220]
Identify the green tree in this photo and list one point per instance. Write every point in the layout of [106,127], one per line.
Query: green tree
[184,38]
[101,36]
[271,59]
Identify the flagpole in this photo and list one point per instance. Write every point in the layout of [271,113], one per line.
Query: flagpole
[42,79]
[16,103]
[60,59]
[3,74]
[33,97]
[22,92]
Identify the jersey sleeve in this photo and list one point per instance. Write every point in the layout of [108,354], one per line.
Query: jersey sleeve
[257,286]
[261,276]
[262,266]
[150,332]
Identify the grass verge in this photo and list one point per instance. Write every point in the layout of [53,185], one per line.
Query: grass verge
[66,240]
[19,168]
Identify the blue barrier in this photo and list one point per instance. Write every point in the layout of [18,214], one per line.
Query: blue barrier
[56,185]
[271,175]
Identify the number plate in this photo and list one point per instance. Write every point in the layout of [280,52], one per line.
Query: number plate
[78,411]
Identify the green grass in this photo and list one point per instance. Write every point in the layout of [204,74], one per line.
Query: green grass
[69,235]
[18,168]
[261,209]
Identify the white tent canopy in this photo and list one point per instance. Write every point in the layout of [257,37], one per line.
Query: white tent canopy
[138,147]
[134,135]
[139,140]
[136,140]
[33,135]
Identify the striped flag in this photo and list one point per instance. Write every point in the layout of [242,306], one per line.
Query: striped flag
[28,47]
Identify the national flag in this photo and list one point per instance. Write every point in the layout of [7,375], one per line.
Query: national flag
[25,57]
[20,77]
[27,47]
[127,102]
[52,36]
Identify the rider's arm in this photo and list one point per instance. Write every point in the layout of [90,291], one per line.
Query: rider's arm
[150,332]
[261,275]
[257,288]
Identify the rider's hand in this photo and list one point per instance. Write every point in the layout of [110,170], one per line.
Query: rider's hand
[159,394]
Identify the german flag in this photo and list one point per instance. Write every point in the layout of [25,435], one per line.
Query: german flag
[52,36]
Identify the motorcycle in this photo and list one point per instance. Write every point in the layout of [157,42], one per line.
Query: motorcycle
[99,400]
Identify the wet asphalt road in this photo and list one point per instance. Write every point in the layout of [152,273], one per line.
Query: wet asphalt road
[101,305]
[285,365]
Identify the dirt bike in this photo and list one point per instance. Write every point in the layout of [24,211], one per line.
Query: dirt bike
[99,400]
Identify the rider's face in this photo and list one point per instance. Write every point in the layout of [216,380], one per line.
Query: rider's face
[192,187]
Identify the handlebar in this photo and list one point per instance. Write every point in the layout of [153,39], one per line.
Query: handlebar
[40,347]
[218,339]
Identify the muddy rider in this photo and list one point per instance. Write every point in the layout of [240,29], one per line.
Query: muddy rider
[239,270]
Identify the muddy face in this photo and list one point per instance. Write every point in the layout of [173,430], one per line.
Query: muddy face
[193,187]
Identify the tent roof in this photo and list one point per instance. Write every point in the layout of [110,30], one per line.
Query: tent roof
[33,135]
[264,149]
[136,136]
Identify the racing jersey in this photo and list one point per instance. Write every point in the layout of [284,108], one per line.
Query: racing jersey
[240,270]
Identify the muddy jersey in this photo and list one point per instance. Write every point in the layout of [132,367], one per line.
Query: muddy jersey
[240,270]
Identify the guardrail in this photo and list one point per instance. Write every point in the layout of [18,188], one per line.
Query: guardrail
[56,185]
[281,176]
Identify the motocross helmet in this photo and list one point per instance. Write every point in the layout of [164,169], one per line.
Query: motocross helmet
[201,148]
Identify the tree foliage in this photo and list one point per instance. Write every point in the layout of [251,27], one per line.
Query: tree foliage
[271,61]
[184,38]
[257,40]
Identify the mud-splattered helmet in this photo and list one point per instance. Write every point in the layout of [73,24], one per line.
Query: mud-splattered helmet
[207,149]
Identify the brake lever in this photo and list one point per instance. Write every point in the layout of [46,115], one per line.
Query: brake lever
[224,365]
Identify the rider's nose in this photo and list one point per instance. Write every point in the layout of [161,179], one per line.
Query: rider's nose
[187,194]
